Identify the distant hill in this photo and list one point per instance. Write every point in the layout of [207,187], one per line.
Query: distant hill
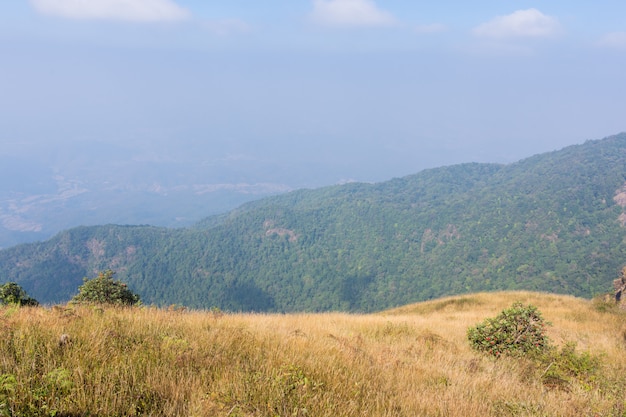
[49,188]
[554,222]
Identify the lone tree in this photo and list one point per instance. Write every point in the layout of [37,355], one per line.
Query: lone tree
[103,289]
[517,331]
[12,293]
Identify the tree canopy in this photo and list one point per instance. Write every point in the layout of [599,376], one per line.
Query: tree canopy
[554,222]
[103,289]
[12,293]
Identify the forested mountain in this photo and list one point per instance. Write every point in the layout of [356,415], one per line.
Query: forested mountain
[553,222]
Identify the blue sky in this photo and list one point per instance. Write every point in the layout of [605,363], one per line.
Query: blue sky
[362,89]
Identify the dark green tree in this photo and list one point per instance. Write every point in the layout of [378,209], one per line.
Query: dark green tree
[103,289]
[12,293]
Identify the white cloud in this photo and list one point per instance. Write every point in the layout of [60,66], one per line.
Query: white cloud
[131,10]
[350,13]
[529,23]
[614,40]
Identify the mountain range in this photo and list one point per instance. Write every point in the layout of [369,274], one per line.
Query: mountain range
[553,222]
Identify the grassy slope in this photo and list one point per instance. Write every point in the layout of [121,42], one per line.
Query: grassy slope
[410,361]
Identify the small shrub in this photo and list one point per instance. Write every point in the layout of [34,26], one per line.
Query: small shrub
[564,366]
[516,331]
[12,293]
[604,303]
[216,312]
[103,289]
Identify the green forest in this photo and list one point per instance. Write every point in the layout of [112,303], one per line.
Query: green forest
[553,222]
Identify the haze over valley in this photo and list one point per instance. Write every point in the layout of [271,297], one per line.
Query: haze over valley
[163,112]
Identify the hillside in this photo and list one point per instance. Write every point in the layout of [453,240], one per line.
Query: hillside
[412,361]
[553,222]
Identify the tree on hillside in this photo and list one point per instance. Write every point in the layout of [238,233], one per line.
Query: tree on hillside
[103,289]
[12,293]
[517,331]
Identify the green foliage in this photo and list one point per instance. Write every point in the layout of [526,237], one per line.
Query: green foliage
[45,395]
[12,293]
[8,385]
[103,289]
[566,366]
[516,331]
[547,223]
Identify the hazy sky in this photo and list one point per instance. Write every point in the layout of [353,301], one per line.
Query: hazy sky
[380,88]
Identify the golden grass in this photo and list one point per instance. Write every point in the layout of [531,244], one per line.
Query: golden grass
[410,361]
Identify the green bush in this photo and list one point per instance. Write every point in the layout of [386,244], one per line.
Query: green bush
[103,289]
[12,293]
[565,366]
[516,331]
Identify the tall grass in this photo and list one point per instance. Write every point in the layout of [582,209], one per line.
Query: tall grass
[411,361]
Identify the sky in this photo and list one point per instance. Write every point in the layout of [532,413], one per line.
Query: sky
[360,90]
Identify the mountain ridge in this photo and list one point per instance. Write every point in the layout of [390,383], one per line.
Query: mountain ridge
[549,222]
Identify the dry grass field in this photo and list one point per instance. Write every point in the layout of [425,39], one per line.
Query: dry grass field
[410,361]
